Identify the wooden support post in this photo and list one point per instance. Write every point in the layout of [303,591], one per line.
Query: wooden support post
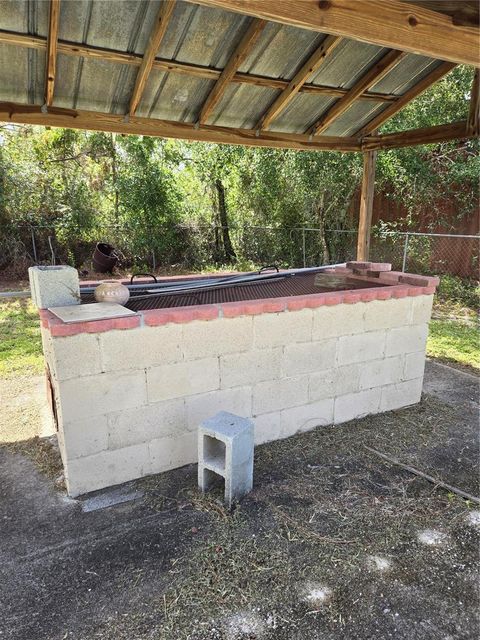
[366,205]
[473,123]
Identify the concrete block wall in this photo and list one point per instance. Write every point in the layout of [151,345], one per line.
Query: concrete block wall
[129,400]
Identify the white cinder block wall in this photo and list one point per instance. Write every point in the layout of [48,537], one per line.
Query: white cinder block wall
[129,401]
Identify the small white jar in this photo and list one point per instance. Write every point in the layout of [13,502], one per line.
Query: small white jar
[112,291]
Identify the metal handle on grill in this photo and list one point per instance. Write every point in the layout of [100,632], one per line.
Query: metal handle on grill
[150,275]
[269,266]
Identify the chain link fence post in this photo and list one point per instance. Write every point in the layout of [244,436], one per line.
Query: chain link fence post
[405,253]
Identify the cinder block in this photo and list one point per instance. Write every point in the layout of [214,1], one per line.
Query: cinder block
[203,339]
[141,348]
[201,407]
[76,356]
[307,417]
[278,329]
[268,427]
[173,452]
[106,469]
[104,393]
[422,309]
[182,379]
[378,373]
[347,379]
[361,347]
[54,286]
[406,339]
[322,385]
[154,421]
[356,405]
[85,437]
[274,395]
[338,320]
[309,357]
[414,365]
[247,368]
[225,447]
[400,395]
[385,314]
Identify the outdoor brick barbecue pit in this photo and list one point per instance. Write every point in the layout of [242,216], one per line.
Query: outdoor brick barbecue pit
[130,392]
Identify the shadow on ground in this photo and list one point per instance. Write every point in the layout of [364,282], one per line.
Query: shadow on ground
[332,543]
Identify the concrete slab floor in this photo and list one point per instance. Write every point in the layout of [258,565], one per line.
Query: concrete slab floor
[332,542]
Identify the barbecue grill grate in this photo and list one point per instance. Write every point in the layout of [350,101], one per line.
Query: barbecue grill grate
[296,285]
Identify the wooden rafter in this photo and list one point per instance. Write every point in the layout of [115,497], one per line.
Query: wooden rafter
[183,68]
[393,24]
[161,23]
[424,135]
[240,54]
[373,75]
[306,70]
[407,97]
[97,121]
[51,46]
[473,122]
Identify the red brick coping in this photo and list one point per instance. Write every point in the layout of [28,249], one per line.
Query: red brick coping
[397,285]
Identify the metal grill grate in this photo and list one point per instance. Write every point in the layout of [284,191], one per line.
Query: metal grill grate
[297,285]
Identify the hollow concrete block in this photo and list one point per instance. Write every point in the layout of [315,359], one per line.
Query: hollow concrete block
[225,448]
[54,286]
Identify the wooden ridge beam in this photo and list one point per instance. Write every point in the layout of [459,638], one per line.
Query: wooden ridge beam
[473,121]
[373,75]
[172,66]
[97,121]
[161,23]
[424,135]
[407,97]
[309,66]
[51,47]
[393,24]
[239,56]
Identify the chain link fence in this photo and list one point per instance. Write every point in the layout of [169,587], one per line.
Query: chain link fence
[199,247]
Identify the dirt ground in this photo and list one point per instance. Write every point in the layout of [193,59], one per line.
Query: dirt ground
[332,543]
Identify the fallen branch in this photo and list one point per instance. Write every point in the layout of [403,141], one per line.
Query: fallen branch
[431,479]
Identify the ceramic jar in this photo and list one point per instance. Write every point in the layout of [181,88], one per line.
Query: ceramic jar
[112,291]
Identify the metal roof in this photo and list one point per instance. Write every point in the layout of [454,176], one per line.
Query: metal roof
[196,35]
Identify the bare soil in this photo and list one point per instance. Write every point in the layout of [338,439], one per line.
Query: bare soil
[332,542]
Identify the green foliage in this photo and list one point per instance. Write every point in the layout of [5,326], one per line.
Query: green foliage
[455,342]
[20,344]
[459,290]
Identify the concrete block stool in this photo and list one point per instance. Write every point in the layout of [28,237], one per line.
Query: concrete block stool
[225,448]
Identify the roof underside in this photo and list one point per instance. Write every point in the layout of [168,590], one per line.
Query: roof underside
[206,38]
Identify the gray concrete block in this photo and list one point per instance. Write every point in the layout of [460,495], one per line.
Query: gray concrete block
[225,448]
[54,286]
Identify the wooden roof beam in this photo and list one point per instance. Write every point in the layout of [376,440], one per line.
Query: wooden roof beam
[299,79]
[97,121]
[407,97]
[51,47]
[240,54]
[425,135]
[373,75]
[393,24]
[172,66]
[473,121]
[161,23]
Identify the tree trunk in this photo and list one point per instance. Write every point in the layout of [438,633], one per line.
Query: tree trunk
[113,153]
[230,255]
[321,225]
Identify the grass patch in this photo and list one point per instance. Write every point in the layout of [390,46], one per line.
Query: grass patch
[20,342]
[455,342]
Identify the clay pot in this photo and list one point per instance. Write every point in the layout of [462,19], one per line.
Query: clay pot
[112,291]
[104,258]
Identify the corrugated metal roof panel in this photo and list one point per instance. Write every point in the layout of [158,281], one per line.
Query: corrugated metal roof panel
[24,17]
[301,113]
[354,118]
[406,74]
[347,63]
[243,105]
